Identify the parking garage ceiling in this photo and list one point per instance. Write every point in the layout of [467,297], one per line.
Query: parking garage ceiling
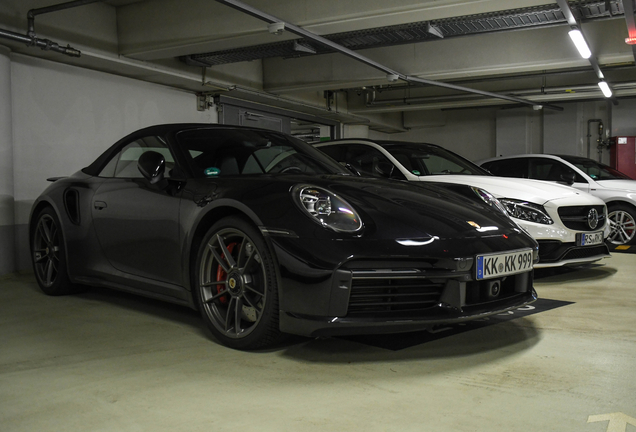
[206,46]
[416,32]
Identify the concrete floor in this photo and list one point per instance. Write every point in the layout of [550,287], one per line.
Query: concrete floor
[108,361]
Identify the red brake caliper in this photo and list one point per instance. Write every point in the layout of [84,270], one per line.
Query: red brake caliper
[221,275]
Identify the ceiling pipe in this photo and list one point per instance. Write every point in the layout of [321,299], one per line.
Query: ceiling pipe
[390,73]
[526,93]
[53,8]
[44,44]
[589,134]
[562,94]
[31,39]
[474,80]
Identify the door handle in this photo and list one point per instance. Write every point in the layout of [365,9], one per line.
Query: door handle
[99,205]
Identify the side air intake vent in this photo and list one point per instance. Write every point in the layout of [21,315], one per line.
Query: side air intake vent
[71,204]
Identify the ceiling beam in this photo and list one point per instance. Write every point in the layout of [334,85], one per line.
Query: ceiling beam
[392,75]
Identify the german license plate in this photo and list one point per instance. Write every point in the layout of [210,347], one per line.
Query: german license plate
[503,264]
[590,239]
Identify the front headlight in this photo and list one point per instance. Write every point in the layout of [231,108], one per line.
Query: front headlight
[327,209]
[489,199]
[526,211]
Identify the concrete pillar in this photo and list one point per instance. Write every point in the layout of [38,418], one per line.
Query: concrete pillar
[7,220]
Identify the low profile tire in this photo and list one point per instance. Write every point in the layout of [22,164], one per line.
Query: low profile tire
[622,220]
[48,255]
[236,287]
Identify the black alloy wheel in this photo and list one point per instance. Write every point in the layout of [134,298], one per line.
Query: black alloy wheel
[48,254]
[235,285]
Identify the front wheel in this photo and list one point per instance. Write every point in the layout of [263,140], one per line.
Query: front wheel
[235,285]
[622,221]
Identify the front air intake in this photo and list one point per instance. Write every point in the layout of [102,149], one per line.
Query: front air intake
[391,295]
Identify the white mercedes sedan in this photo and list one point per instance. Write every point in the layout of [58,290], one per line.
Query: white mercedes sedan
[616,189]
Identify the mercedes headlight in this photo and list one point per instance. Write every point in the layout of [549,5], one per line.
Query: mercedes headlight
[526,211]
[327,209]
[489,199]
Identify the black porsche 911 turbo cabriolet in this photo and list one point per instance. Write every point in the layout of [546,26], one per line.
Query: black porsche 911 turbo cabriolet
[266,235]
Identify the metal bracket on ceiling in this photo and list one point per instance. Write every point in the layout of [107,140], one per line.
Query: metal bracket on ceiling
[204,101]
[434,30]
[304,47]
[245,8]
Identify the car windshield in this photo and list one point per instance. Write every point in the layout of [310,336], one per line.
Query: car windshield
[424,159]
[596,170]
[219,151]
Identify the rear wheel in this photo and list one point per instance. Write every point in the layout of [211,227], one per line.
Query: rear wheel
[622,220]
[49,256]
[235,285]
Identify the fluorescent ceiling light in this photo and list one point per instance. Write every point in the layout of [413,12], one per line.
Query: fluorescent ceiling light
[605,89]
[579,42]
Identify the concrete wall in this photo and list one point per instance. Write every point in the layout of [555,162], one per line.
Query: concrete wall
[483,133]
[519,131]
[471,133]
[7,255]
[566,132]
[62,118]
[355,131]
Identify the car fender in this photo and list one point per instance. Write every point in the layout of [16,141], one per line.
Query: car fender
[620,201]
[54,197]
[39,204]
[205,216]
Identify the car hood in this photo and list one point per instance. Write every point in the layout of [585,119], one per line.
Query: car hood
[618,185]
[535,191]
[438,210]
[389,209]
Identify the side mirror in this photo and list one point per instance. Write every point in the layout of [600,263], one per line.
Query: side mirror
[568,178]
[351,168]
[152,166]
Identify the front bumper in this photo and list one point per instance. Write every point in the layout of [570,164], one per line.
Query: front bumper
[554,253]
[314,326]
[389,294]
[558,242]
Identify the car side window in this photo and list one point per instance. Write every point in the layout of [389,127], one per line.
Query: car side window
[436,165]
[508,168]
[592,170]
[124,163]
[543,169]
[335,152]
[366,159]
[552,170]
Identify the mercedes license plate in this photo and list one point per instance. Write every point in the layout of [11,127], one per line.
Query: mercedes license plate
[503,264]
[590,239]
